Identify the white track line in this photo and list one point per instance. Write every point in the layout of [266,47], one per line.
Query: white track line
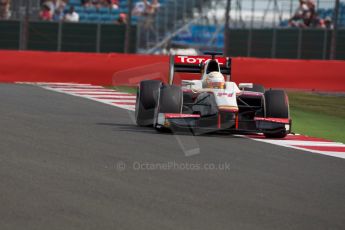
[288,145]
[305,143]
[92,93]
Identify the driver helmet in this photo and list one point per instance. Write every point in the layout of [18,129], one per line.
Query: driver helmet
[214,80]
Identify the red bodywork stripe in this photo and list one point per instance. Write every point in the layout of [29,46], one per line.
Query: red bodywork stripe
[228,110]
[178,115]
[271,119]
[236,121]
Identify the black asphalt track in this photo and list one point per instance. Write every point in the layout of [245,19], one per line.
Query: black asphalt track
[71,163]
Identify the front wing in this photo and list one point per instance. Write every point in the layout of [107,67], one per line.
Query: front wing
[220,122]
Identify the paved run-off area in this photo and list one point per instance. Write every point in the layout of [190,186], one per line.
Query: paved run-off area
[71,163]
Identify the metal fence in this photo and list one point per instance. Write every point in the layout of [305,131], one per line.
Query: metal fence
[245,14]
[285,43]
[170,17]
[323,39]
[52,36]
[272,13]
[256,30]
[259,28]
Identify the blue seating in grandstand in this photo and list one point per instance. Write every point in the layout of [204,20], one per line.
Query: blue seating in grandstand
[135,20]
[74,2]
[93,17]
[104,10]
[114,11]
[79,9]
[201,35]
[82,17]
[123,4]
[124,10]
[106,18]
[90,10]
[328,13]
[104,14]
[114,17]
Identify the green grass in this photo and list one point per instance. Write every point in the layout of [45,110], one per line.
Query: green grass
[126,89]
[318,115]
[312,114]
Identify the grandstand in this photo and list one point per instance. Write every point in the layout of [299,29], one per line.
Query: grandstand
[326,13]
[174,10]
[212,35]
[100,15]
[259,28]
[329,13]
[171,16]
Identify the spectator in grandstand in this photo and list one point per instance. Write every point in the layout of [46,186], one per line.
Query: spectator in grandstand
[113,4]
[86,3]
[312,6]
[151,8]
[122,20]
[328,23]
[5,9]
[96,3]
[102,3]
[54,4]
[145,8]
[302,13]
[71,16]
[311,17]
[306,16]
[150,13]
[138,9]
[45,13]
[59,14]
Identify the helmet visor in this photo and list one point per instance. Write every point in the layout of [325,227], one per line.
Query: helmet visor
[216,85]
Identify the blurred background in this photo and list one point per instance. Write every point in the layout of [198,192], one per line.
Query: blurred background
[293,29]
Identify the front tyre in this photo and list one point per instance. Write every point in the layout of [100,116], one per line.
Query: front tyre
[146,102]
[276,106]
[170,100]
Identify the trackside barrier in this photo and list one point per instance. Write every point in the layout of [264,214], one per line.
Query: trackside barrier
[100,69]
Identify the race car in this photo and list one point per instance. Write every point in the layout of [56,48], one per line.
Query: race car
[211,102]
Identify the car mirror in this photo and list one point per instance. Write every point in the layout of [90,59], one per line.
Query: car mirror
[245,85]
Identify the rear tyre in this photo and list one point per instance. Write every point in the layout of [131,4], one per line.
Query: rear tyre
[277,106]
[146,102]
[170,100]
[256,88]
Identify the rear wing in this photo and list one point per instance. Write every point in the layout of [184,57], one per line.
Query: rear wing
[194,64]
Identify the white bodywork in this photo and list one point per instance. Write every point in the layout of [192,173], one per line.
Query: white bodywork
[225,98]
